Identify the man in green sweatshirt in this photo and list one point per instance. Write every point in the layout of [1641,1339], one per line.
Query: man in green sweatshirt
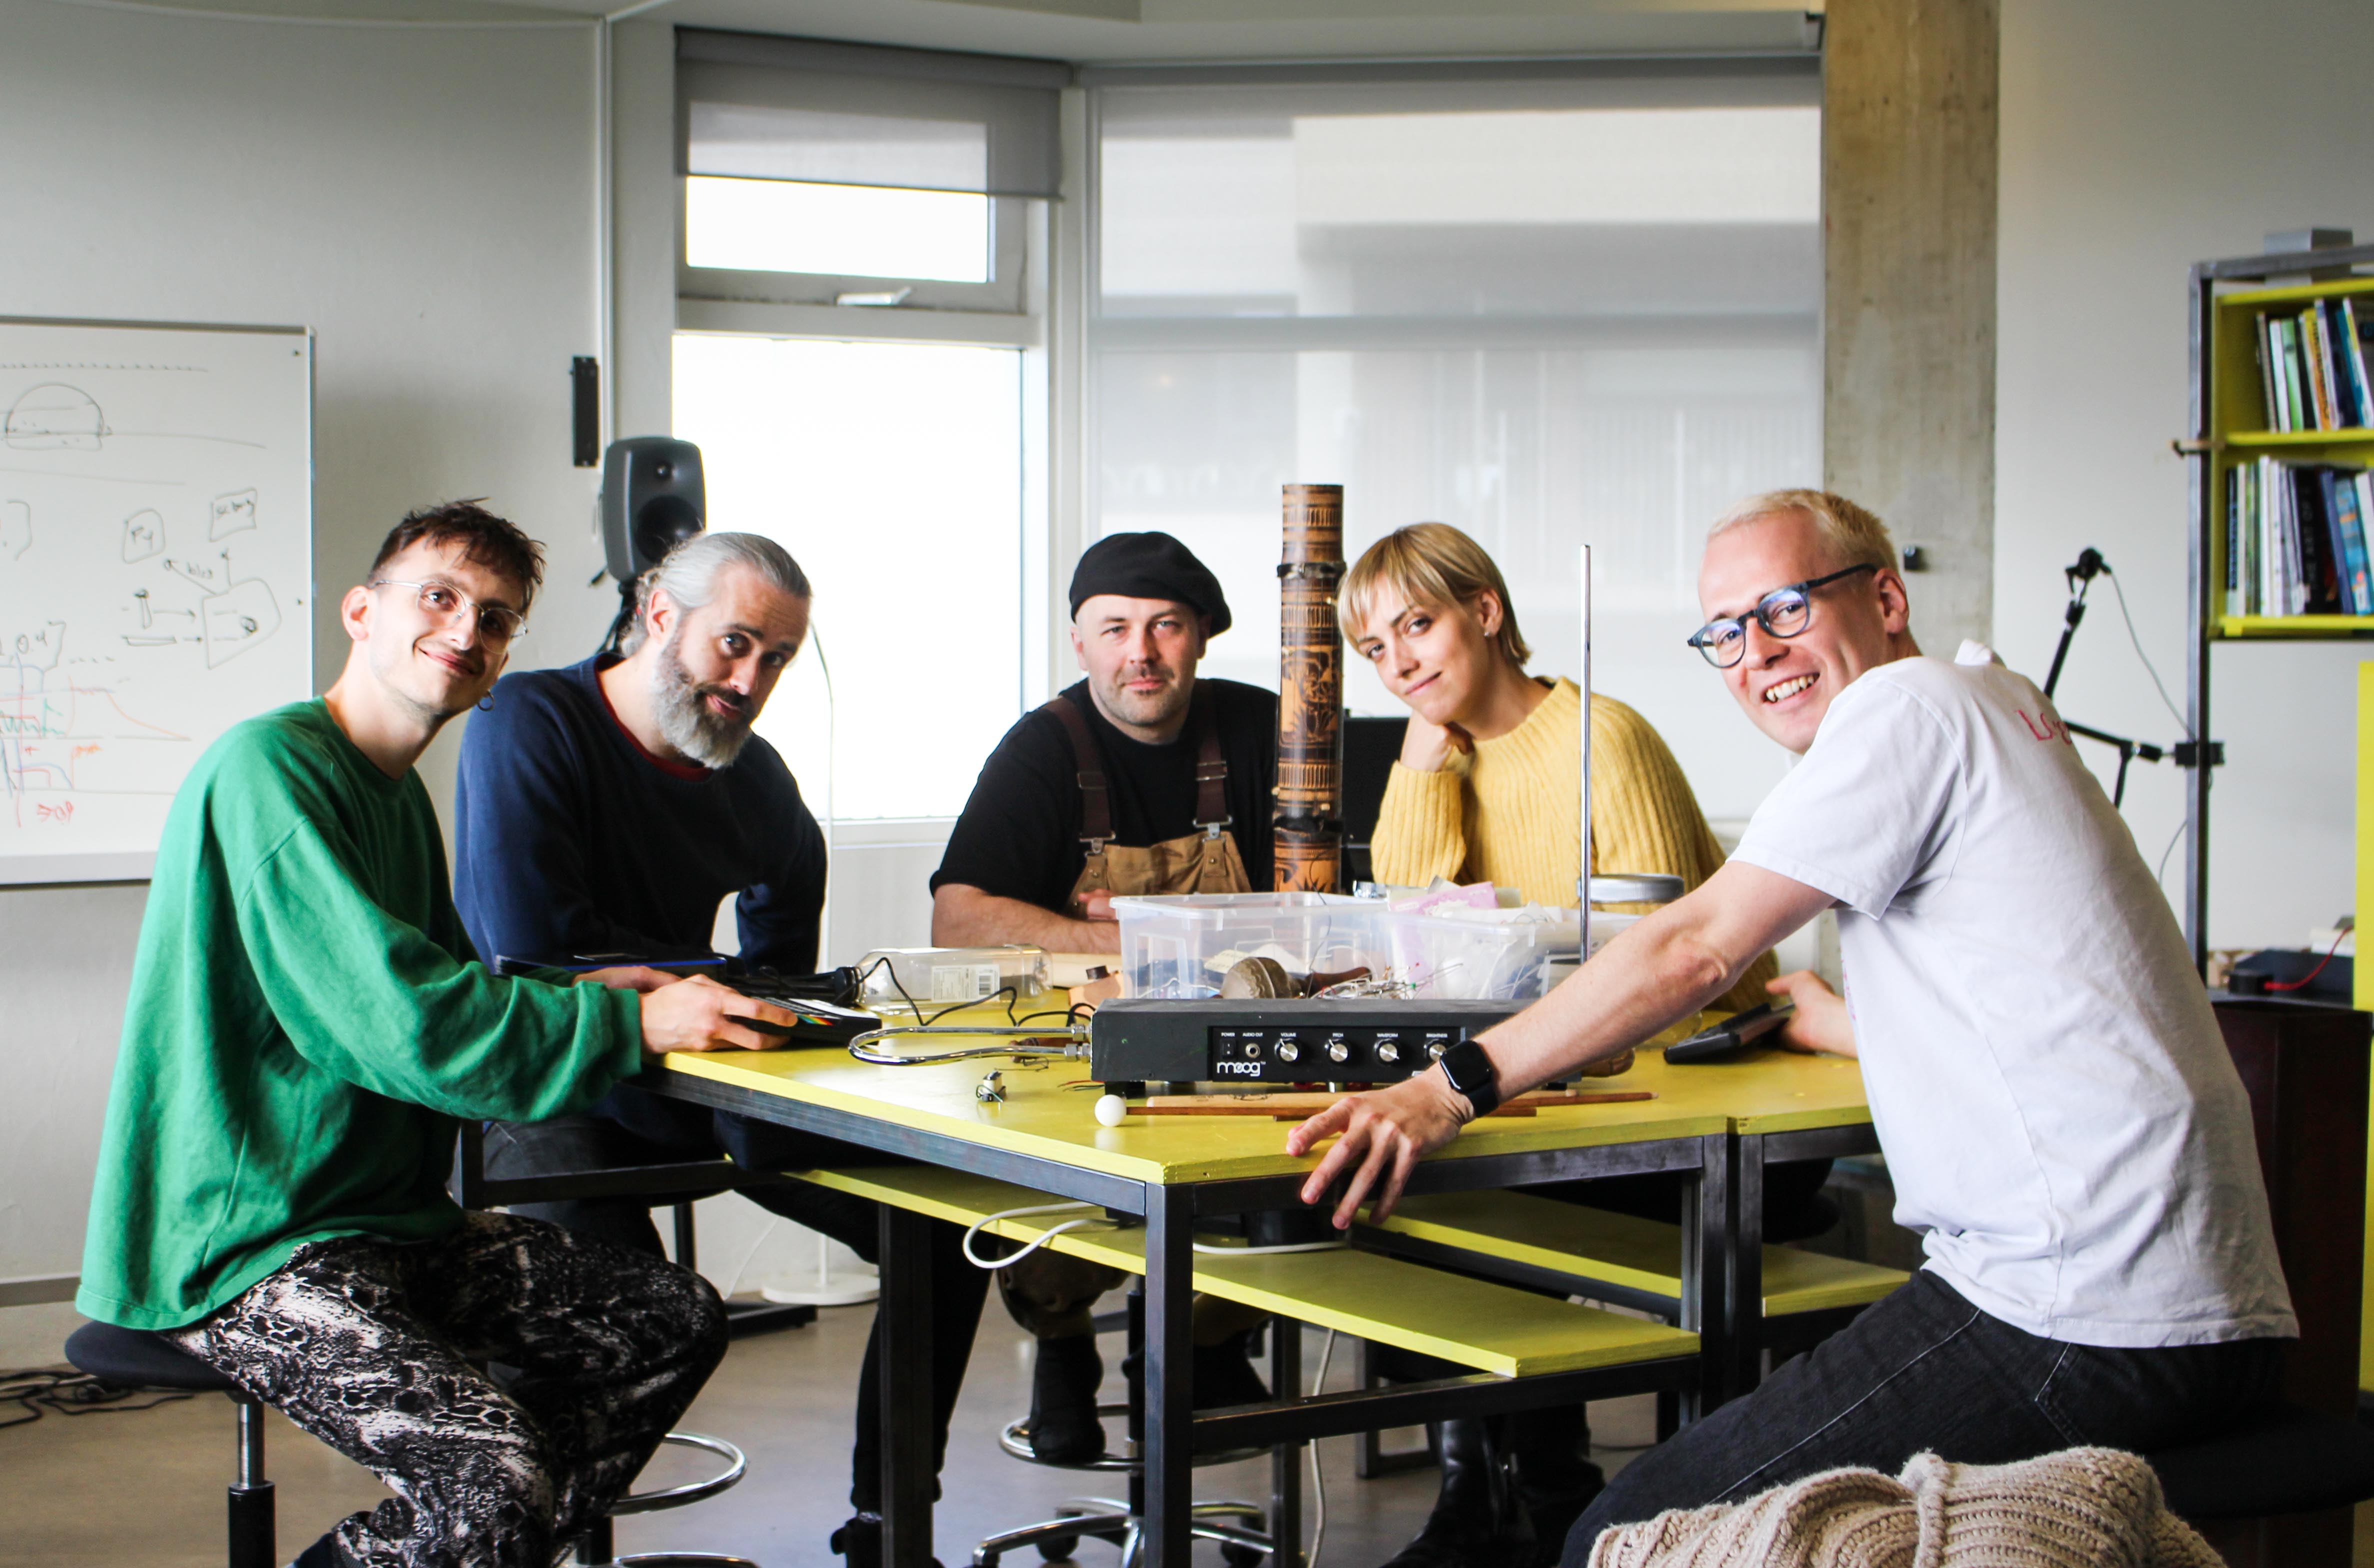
[307,1023]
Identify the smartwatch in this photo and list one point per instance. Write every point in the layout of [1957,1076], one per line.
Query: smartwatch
[1469,1071]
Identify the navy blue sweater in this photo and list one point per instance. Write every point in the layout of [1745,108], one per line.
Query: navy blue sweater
[574,840]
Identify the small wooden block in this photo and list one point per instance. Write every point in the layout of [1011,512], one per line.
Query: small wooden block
[1289,1106]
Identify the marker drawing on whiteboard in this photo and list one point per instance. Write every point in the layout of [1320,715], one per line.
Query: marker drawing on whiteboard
[16,529]
[238,618]
[231,514]
[54,417]
[58,734]
[144,535]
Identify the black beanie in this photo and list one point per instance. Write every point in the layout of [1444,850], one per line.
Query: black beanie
[1148,566]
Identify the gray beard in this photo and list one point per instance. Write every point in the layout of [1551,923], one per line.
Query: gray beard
[685,717]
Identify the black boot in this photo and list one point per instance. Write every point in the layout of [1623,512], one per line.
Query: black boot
[1064,1425]
[1464,1530]
[1554,1481]
[1223,1374]
[859,1541]
[1217,1375]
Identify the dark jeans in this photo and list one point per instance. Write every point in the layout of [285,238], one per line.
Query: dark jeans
[1926,1369]
[632,1127]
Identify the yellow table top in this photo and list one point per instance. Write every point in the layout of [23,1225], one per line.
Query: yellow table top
[1048,1110]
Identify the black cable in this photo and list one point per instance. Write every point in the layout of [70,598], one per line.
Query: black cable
[72,1394]
[1007,991]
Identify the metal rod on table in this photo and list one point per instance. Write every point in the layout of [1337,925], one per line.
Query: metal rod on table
[1583,868]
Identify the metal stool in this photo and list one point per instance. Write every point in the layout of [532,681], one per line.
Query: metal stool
[593,1551]
[1115,1520]
[134,1358]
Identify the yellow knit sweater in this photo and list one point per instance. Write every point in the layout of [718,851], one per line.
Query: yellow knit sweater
[1506,813]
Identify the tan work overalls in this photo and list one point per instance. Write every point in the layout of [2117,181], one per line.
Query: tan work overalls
[1051,1293]
[1205,861]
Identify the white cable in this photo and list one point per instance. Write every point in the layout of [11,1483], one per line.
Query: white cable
[979,1262]
[1318,1477]
[2135,638]
[1265,1252]
[768,1230]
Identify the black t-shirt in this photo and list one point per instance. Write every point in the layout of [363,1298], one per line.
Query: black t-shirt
[1019,836]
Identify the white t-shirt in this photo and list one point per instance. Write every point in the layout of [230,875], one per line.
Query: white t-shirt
[2046,1076]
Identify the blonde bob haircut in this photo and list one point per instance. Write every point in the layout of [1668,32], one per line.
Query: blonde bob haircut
[1428,564]
[1852,534]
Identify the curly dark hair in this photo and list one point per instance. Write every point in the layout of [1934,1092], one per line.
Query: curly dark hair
[485,539]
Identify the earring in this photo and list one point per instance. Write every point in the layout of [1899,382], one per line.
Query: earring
[487,703]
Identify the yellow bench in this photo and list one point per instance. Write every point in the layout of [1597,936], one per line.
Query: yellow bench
[1468,1322]
[1638,1259]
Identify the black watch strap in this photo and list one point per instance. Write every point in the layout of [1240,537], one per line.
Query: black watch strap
[1469,1069]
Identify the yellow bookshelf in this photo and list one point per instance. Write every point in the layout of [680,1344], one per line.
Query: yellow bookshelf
[2229,415]
[2238,408]
[2362,978]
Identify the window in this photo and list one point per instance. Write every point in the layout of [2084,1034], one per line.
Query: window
[845,231]
[815,171]
[893,474]
[1548,313]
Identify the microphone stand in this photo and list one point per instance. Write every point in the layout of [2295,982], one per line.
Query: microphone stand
[2080,577]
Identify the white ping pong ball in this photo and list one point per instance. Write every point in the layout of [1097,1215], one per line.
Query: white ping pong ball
[1112,1111]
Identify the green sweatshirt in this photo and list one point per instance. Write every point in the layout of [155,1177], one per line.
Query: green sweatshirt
[307,1022]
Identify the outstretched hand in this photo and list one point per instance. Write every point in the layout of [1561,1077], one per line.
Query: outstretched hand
[700,1015]
[1379,1137]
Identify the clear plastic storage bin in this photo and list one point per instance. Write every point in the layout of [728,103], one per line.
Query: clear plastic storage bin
[899,978]
[1180,946]
[1485,959]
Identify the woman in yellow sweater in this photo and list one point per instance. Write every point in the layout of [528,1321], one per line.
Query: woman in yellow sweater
[1486,783]
[1486,790]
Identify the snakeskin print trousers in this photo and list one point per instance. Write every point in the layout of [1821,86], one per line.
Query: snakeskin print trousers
[376,1347]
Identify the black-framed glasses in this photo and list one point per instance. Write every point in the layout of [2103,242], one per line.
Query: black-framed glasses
[1783,612]
[443,601]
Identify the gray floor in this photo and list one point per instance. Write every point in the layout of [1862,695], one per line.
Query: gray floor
[144,1489]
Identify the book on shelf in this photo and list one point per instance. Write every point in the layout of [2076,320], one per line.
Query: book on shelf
[2313,366]
[2297,539]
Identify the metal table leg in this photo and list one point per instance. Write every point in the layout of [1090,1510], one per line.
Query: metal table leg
[905,1317]
[1744,1333]
[1286,1460]
[1707,1223]
[1169,1379]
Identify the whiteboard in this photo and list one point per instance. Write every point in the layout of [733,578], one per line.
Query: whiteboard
[156,571]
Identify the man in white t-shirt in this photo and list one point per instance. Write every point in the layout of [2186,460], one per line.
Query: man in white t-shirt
[2060,1116]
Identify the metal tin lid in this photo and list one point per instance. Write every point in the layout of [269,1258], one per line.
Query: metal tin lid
[1639,887]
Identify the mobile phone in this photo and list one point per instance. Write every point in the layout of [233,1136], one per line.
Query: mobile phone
[1734,1034]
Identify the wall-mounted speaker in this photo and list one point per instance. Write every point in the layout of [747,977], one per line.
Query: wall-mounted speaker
[653,500]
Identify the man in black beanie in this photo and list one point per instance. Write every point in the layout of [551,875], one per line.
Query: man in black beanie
[1138,779]
[1184,769]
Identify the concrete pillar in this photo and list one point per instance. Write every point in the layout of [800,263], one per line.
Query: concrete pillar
[1908,162]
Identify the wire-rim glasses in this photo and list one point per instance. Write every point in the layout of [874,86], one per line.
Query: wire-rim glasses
[443,601]
[1783,612]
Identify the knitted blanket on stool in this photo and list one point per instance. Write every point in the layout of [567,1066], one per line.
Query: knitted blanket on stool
[2080,1508]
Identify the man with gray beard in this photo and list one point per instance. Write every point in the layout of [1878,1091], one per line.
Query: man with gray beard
[609,806]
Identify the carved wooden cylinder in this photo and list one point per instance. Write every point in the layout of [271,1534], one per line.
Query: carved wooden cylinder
[1310,693]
